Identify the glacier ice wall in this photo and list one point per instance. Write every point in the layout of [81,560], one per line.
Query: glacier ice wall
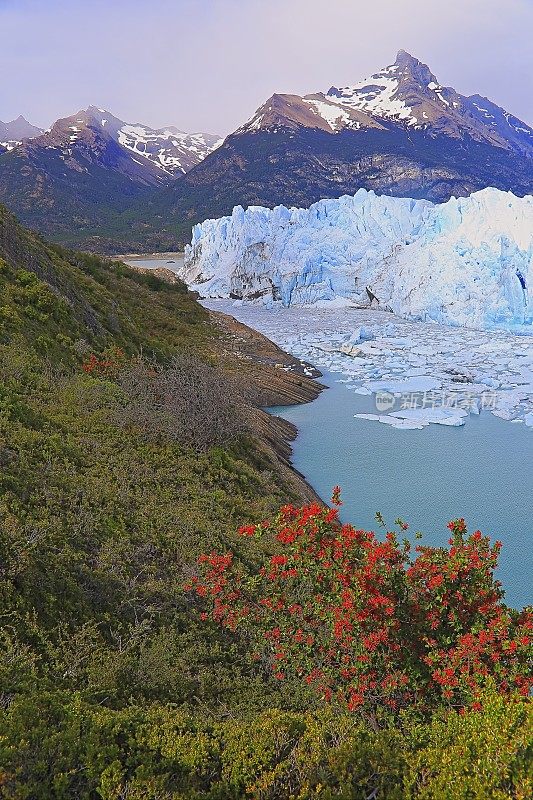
[468,261]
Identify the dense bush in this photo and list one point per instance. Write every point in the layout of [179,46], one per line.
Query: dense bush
[364,623]
[58,746]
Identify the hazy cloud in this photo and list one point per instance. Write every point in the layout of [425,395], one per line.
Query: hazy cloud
[208,64]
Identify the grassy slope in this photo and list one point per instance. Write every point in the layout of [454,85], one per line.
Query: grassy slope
[100,525]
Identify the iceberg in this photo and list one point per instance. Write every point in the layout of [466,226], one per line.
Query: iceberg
[467,262]
[405,365]
[394,422]
[438,416]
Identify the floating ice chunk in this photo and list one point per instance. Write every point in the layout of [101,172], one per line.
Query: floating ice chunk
[405,424]
[459,374]
[352,346]
[528,419]
[362,334]
[475,406]
[422,383]
[439,416]
[504,413]
[394,422]
[492,382]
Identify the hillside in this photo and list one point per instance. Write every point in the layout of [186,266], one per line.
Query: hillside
[131,451]
[108,493]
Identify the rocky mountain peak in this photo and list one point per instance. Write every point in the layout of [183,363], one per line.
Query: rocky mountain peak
[407,95]
[409,67]
[104,119]
[17,130]
[73,130]
[392,92]
[82,143]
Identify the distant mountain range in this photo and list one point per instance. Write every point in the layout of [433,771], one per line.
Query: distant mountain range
[106,185]
[73,181]
[13,133]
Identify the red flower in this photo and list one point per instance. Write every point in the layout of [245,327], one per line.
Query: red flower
[247,530]
[435,581]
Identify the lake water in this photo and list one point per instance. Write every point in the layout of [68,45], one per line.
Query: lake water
[482,471]
[172,262]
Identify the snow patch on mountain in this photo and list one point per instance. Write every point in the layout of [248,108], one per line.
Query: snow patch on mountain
[10,145]
[167,148]
[466,262]
[378,95]
[336,117]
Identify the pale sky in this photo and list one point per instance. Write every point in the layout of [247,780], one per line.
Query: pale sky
[208,64]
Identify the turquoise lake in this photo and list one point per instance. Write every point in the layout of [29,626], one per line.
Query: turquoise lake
[482,471]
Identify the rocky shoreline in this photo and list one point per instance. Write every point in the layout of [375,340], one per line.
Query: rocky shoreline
[266,376]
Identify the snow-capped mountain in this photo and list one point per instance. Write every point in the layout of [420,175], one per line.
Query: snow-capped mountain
[405,93]
[468,261]
[171,151]
[13,133]
[74,181]
[151,156]
[408,93]
[399,132]
[84,141]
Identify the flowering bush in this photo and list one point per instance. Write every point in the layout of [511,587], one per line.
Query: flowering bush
[365,623]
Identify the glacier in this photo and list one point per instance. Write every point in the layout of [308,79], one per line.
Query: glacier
[467,262]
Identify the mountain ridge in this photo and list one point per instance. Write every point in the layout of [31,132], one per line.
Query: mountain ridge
[408,93]
[399,132]
[73,181]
